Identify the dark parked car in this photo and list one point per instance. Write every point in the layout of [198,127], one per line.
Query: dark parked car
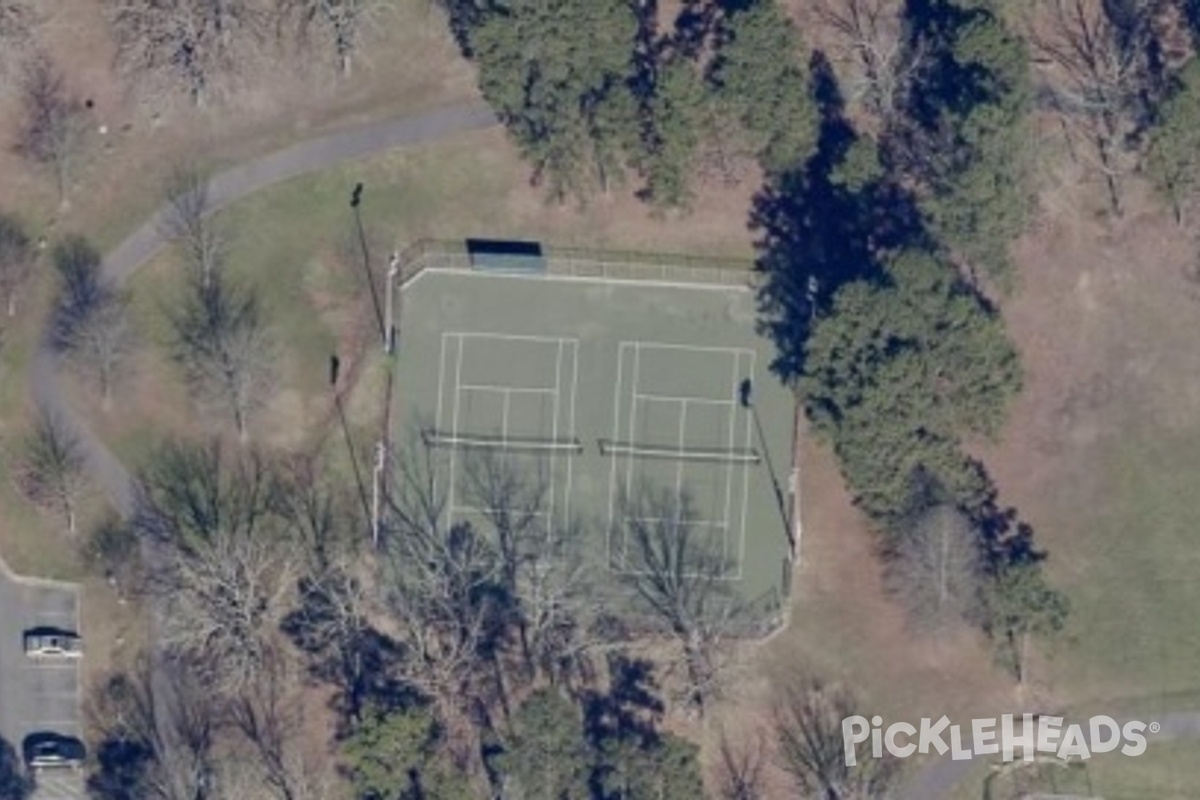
[53,750]
[50,643]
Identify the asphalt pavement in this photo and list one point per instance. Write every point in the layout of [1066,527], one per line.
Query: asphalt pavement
[39,695]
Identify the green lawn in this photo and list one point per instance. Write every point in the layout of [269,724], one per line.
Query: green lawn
[1167,770]
[1133,637]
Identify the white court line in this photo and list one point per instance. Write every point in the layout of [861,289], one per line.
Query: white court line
[637,361]
[691,348]
[437,415]
[512,337]
[707,523]
[571,427]
[670,398]
[490,387]
[679,467]
[612,471]
[504,407]
[554,426]
[659,284]
[749,441]
[485,510]
[732,422]
[462,345]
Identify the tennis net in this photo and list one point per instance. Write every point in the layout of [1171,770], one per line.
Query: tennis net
[735,456]
[473,441]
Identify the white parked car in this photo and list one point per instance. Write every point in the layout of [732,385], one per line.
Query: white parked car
[52,644]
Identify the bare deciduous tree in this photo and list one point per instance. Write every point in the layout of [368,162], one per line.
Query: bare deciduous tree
[198,47]
[808,726]
[225,600]
[1098,62]
[443,589]
[50,468]
[91,319]
[740,770]
[189,221]
[267,712]
[230,568]
[678,572]
[16,261]
[872,39]
[341,21]
[53,129]
[102,343]
[157,732]
[936,567]
[223,345]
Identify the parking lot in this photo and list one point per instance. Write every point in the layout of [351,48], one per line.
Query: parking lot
[38,695]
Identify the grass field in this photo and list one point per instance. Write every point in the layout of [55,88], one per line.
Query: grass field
[1134,582]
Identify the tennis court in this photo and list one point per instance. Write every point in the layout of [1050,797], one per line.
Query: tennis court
[602,393]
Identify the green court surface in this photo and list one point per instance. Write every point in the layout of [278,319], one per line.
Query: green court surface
[601,388]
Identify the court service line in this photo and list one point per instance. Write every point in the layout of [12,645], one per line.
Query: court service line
[612,470]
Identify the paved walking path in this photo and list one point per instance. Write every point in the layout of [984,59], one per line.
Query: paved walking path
[225,188]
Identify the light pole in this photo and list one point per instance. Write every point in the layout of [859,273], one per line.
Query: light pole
[389,343]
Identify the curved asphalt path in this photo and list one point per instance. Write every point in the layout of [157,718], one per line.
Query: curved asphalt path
[932,781]
[224,188]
